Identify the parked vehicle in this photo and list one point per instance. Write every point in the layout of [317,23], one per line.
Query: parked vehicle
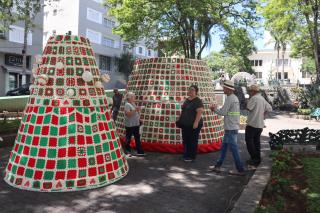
[22,90]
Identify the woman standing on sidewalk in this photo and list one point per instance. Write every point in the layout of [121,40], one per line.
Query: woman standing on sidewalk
[132,124]
[191,123]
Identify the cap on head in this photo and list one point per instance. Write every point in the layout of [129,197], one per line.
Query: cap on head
[228,84]
[254,87]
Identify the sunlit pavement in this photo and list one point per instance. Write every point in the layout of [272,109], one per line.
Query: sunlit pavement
[157,183]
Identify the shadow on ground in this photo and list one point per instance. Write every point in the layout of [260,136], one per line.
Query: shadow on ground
[157,183]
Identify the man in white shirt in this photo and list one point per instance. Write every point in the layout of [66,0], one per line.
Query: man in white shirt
[257,107]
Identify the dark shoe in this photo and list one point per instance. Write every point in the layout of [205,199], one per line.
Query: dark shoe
[233,172]
[141,154]
[253,162]
[188,160]
[216,169]
[249,162]
[252,167]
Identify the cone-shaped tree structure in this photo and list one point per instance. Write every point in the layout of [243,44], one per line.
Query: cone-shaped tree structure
[161,85]
[67,140]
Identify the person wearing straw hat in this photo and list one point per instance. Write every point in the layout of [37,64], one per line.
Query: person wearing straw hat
[257,107]
[231,113]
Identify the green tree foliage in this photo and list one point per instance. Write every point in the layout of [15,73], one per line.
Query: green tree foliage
[308,65]
[296,21]
[230,64]
[280,24]
[125,63]
[6,15]
[185,25]
[239,45]
[26,11]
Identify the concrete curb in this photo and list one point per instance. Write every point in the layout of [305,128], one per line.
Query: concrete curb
[252,193]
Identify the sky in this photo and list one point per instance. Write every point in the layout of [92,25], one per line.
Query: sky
[261,44]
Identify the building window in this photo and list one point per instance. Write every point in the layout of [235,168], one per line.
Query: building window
[139,50]
[94,15]
[104,63]
[109,23]
[125,48]
[16,34]
[93,36]
[15,80]
[258,75]
[283,61]
[306,74]
[55,12]
[256,63]
[2,35]
[284,77]
[149,53]
[108,42]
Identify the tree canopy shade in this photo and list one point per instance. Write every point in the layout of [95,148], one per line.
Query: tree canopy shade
[185,25]
[296,21]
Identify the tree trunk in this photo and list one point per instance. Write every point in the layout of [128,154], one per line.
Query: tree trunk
[192,40]
[313,31]
[316,41]
[24,53]
[282,73]
[277,63]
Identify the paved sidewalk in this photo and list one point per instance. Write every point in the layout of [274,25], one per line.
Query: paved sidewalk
[158,183]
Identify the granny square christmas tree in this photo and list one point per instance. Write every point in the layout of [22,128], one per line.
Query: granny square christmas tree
[66,140]
[161,85]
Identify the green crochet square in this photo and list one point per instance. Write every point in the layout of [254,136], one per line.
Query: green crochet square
[48,175]
[29,173]
[52,153]
[61,164]
[72,163]
[40,164]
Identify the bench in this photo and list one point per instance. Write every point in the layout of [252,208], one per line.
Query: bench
[315,114]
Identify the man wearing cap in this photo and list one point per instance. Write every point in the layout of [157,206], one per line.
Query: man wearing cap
[231,113]
[257,107]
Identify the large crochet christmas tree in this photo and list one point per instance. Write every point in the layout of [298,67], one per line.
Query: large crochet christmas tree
[161,85]
[67,140]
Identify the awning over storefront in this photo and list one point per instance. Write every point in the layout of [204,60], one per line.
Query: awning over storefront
[11,69]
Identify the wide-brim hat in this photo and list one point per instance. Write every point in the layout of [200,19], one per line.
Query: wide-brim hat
[228,84]
[254,87]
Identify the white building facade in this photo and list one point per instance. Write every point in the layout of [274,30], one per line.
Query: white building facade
[89,18]
[11,45]
[267,68]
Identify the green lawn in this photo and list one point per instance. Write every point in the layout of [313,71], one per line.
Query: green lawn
[312,172]
[9,126]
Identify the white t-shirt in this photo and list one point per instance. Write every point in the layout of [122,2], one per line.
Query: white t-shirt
[134,120]
[257,107]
